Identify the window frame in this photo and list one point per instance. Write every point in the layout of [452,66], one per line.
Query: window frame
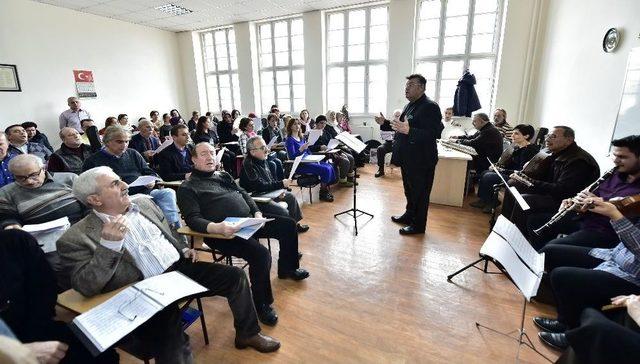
[229,72]
[290,67]
[465,57]
[366,62]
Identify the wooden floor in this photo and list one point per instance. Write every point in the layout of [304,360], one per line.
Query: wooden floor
[381,297]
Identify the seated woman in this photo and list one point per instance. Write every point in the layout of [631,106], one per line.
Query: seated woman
[204,132]
[227,132]
[111,120]
[273,131]
[343,122]
[343,159]
[306,122]
[296,146]
[523,151]
[258,175]
[582,277]
[247,128]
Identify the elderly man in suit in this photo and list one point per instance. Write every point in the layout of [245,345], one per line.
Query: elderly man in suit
[125,240]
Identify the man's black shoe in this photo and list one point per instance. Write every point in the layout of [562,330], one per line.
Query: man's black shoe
[410,230]
[297,275]
[326,196]
[299,255]
[302,228]
[380,173]
[403,219]
[549,325]
[267,315]
[555,340]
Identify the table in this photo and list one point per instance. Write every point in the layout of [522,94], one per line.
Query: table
[75,302]
[450,177]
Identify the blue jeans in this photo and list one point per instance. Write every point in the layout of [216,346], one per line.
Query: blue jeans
[165,198]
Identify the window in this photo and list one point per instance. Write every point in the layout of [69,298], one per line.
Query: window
[281,60]
[221,69]
[357,51]
[454,35]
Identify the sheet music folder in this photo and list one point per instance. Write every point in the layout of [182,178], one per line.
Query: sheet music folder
[514,191]
[509,248]
[106,324]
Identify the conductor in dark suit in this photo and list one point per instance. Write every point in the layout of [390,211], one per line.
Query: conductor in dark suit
[416,152]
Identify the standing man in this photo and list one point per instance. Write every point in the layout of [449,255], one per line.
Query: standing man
[74,115]
[416,152]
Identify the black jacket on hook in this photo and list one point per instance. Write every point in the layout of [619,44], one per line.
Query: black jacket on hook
[466,99]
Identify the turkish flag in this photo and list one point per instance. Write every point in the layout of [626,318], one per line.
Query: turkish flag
[83,76]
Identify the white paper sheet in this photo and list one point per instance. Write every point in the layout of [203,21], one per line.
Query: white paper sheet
[296,162]
[516,194]
[48,233]
[162,146]
[312,158]
[270,194]
[272,141]
[144,180]
[314,135]
[220,154]
[351,141]
[332,144]
[169,287]
[512,235]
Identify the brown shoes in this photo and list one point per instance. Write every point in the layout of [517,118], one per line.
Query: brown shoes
[260,342]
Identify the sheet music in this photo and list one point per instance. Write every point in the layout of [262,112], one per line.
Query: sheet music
[105,326]
[144,180]
[220,154]
[48,232]
[248,225]
[270,194]
[498,249]
[296,162]
[516,194]
[169,287]
[162,146]
[351,141]
[512,235]
[312,158]
[332,144]
[314,135]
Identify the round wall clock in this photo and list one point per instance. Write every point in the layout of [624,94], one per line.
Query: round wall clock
[610,40]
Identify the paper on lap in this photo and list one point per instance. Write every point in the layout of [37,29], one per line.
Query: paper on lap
[296,162]
[144,180]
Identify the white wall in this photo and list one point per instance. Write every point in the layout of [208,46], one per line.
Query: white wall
[136,68]
[577,83]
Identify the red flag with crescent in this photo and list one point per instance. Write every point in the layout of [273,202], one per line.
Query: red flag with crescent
[83,76]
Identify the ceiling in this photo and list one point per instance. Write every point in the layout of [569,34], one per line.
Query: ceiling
[206,13]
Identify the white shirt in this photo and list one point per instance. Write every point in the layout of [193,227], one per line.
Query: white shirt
[72,119]
[151,251]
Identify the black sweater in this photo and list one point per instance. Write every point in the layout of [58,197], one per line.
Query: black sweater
[212,197]
[257,176]
[129,166]
[487,142]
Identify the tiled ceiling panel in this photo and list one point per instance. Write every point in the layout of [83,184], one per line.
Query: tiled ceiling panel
[204,13]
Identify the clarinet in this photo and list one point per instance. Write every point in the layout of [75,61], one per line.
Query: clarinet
[574,205]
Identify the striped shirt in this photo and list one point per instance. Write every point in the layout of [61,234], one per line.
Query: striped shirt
[505,129]
[151,251]
[623,260]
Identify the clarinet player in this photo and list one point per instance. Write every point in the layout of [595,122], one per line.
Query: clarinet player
[591,229]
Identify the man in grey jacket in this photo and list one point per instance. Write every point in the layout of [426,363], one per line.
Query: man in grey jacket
[125,240]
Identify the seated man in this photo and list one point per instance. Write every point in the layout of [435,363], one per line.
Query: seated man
[487,142]
[272,130]
[174,162]
[500,122]
[129,165]
[582,277]
[208,197]
[36,197]
[144,142]
[72,153]
[386,134]
[258,175]
[521,153]
[5,156]
[343,159]
[20,144]
[123,241]
[587,228]
[563,174]
[28,286]
[35,136]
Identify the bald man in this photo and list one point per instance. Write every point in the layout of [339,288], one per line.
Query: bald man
[71,154]
[74,115]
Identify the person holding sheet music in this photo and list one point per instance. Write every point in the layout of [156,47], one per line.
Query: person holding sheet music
[209,197]
[523,151]
[386,134]
[144,142]
[129,165]
[273,131]
[487,142]
[174,162]
[416,152]
[259,175]
[125,240]
[247,128]
[28,296]
[296,146]
[343,159]
[583,277]
[205,132]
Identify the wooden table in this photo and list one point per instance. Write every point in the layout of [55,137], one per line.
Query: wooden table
[450,177]
[75,302]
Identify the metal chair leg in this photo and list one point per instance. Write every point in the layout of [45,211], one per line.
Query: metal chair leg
[202,321]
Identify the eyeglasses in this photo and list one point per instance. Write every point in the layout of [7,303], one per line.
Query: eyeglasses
[132,300]
[34,176]
[264,147]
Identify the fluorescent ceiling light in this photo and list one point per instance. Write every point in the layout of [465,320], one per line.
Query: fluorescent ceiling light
[173,9]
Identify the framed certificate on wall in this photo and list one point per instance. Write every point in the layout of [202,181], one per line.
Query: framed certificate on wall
[9,78]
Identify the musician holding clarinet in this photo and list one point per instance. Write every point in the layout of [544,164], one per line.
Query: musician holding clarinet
[575,218]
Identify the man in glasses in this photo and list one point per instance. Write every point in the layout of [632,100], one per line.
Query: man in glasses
[416,152]
[36,197]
